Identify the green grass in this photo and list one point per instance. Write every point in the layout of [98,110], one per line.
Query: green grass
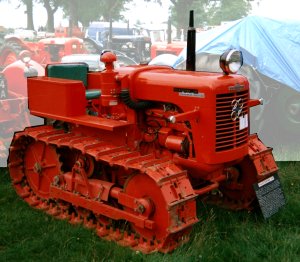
[30,235]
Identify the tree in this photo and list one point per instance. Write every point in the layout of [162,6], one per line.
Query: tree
[89,10]
[111,10]
[51,7]
[29,13]
[229,10]
[207,12]
[180,13]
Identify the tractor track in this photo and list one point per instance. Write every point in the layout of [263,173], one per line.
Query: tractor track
[167,178]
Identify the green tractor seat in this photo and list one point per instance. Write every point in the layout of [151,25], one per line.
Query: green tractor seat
[72,71]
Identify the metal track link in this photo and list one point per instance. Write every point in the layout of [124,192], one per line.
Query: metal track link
[176,189]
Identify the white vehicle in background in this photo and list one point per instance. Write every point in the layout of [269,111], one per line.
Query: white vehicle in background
[93,60]
[23,34]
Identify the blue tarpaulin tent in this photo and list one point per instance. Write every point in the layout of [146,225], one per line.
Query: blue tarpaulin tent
[270,46]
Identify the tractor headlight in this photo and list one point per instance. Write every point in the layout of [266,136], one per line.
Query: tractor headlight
[231,61]
[25,56]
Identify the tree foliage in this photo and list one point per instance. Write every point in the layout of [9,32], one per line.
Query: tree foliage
[112,9]
[90,10]
[229,10]
[76,10]
[51,7]
[180,13]
[80,11]
[207,12]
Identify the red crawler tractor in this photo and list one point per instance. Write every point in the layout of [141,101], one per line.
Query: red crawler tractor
[127,151]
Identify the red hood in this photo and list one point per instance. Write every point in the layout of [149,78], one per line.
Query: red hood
[15,75]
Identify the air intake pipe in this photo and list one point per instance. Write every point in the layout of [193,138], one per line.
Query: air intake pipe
[136,105]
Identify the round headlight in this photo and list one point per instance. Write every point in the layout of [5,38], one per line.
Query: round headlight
[25,56]
[231,61]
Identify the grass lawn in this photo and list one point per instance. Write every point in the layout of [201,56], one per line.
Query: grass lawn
[30,235]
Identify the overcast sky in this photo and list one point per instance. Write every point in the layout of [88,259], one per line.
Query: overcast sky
[145,12]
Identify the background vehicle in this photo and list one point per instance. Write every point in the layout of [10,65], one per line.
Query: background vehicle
[44,51]
[163,39]
[14,113]
[94,63]
[123,38]
[99,31]
[173,48]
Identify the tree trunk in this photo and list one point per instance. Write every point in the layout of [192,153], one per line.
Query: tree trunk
[29,12]
[182,8]
[50,15]
[73,20]
[50,22]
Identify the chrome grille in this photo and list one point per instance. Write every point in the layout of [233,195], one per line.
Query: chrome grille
[228,132]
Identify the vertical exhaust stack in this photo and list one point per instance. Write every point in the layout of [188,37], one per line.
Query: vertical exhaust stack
[191,45]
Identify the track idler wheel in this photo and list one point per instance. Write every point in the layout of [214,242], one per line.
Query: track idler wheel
[258,165]
[33,166]
[41,165]
[168,231]
[238,189]
[142,186]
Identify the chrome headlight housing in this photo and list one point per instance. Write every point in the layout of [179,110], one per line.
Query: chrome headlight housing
[231,61]
[25,56]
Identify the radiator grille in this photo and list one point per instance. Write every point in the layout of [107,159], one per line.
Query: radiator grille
[229,135]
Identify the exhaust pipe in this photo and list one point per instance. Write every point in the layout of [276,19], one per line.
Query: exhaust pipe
[191,45]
